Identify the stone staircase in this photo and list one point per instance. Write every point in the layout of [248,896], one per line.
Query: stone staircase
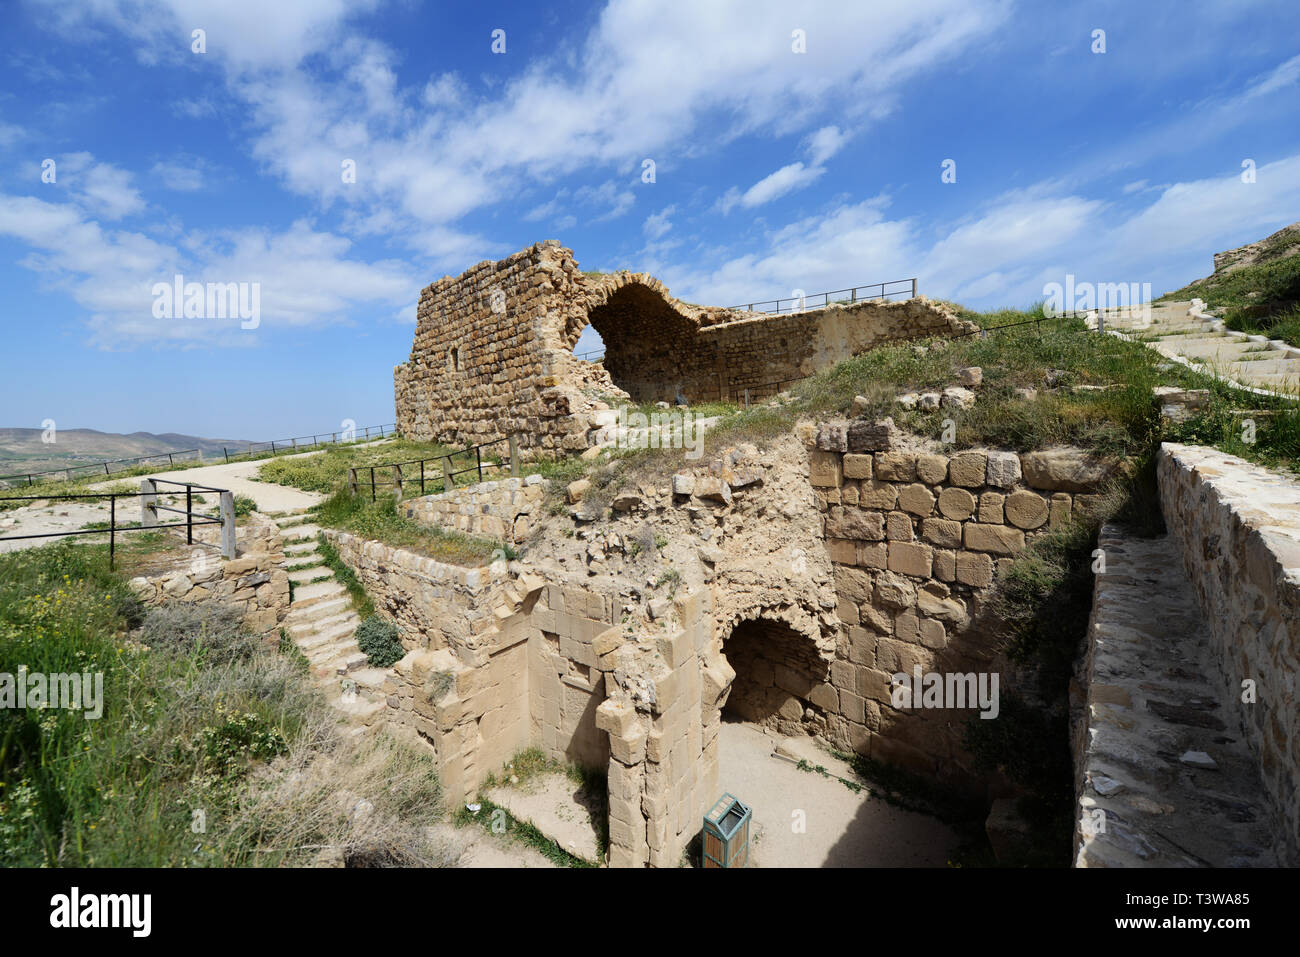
[323,624]
[1181,331]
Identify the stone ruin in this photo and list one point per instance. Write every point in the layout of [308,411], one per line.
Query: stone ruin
[493,350]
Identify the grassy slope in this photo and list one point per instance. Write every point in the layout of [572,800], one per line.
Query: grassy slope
[1263,298]
[197,717]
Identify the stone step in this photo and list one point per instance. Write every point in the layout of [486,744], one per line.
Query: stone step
[321,591]
[362,710]
[305,575]
[300,533]
[373,678]
[343,631]
[301,547]
[305,629]
[1279,366]
[340,664]
[313,612]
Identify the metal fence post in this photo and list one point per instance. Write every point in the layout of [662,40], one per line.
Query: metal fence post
[913,288]
[372,483]
[228,524]
[421,476]
[148,503]
[112,527]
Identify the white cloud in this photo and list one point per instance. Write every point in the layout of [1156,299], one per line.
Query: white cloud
[306,277]
[179,177]
[98,187]
[824,144]
[774,185]
[644,83]
[657,224]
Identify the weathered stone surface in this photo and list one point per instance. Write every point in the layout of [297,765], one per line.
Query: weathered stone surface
[576,491]
[997,539]
[955,397]
[975,569]
[855,523]
[1003,469]
[967,469]
[1064,469]
[941,532]
[916,499]
[825,469]
[1025,509]
[896,466]
[910,558]
[956,503]
[871,436]
[857,466]
[932,469]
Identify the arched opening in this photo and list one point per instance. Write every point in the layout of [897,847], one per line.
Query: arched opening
[646,344]
[781,680]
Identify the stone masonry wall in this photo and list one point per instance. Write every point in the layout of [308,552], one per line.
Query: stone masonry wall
[492,352]
[505,509]
[1237,527]
[918,541]
[255,579]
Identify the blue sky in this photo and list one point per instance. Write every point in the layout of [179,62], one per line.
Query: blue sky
[774,170]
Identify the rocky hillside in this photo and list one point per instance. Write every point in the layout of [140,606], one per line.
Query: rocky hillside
[23,450]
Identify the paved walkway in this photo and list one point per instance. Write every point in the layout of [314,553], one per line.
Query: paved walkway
[1175,329]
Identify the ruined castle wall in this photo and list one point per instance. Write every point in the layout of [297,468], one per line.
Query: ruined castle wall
[918,541]
[492,352]
[505,509]
[1237,527]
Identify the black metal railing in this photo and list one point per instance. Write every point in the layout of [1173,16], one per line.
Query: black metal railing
[444,474]
[872,292]
[300,443]
[149,509]
[67,470]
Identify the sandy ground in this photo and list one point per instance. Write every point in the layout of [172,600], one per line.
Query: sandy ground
[842,828]
[475,847]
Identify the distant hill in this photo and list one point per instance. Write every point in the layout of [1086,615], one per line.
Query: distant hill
[21,450]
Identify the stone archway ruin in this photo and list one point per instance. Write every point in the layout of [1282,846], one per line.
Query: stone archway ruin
[781,676]
[492,352]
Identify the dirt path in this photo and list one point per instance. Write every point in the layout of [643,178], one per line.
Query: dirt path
[240,478]
[54,515]
[842,828]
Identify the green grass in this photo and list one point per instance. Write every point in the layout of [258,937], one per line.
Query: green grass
[198,717]
[328,471]
[1122,420]
[381,521]
[361,601]
[1263,298]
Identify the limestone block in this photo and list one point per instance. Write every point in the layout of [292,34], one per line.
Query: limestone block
[997,539]
[857,466]
[967,469]
[825,469]
[942,532]
[991,505]
[895,466]
[932,469]
[1003,469]
[956,504]
[910,558]
[1064,469]
[917,499]
[1025,509]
